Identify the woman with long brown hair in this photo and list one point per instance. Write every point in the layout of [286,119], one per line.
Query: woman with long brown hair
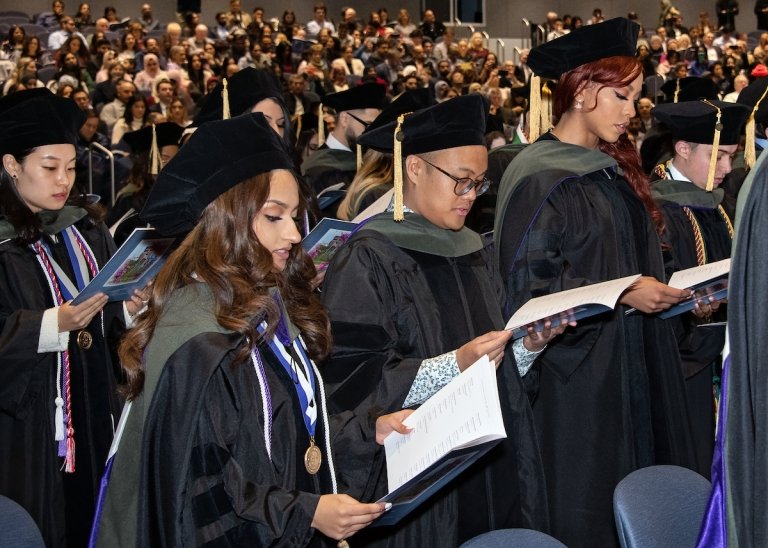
[575,209]
[227,438]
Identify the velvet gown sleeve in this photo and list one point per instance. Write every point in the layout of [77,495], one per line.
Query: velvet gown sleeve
[204,450]
[22,303]
[372,301]
[546,265]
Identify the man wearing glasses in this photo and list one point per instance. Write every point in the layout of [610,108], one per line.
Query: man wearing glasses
[336,161]
[412,304]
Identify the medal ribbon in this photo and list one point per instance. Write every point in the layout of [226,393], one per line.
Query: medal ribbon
[301,373]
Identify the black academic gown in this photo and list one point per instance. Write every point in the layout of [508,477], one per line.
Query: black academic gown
[611,395]
[31,473]
[390,308]
[328,167]
[192,467]
[700,346]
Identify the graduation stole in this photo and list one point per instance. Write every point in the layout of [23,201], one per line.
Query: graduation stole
[662,170]
[62,289]
[306,378]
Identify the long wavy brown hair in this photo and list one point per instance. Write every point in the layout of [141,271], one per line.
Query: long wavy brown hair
[224,252]
[614,72]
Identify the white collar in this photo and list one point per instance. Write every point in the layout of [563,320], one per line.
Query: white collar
[675,173]
[333,143]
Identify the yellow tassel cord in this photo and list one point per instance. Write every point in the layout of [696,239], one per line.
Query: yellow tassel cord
[534,116]
[154,154]
[398,160]
[750,155]
[546,108]
[320,125]
[715,147]
[677,89]
[359,157]
[225,115]
[296,119]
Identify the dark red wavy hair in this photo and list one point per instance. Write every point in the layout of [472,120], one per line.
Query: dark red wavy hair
[613,72]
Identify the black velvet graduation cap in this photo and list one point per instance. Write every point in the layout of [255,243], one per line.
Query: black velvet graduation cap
[168,133]
[36,117]
[453,123]
[690,88]
[369,95]
[753,96]
[695,121]
[217,157]
[705,122]
[408,101]
[244,89]
[584,45]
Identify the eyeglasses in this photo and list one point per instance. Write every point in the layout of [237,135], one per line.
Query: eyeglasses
[365,124]
[463,184]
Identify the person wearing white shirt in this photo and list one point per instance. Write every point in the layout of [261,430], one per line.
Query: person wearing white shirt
[315,25]
[57,38]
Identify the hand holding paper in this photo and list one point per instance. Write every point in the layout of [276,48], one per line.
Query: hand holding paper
[570,305]
[650,296]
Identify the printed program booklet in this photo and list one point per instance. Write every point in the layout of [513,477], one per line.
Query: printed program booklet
[709,280]
[131,267]
[451,430]
[572,304]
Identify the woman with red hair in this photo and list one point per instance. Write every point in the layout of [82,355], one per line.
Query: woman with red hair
[574,209]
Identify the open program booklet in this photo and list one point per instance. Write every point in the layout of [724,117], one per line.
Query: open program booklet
[710,280]
[572,304]
[131,267]
[451,430]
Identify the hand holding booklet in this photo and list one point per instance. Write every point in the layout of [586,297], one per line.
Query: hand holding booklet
[131,267]
[451,430]
[569,305]
[707,281]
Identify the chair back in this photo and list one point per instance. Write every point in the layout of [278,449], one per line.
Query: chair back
[17,528]
[512,538]
[660,507]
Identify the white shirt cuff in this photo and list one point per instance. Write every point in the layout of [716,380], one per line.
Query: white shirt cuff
[50,338]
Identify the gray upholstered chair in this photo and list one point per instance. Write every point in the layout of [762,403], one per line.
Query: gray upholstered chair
[659,507]
[17,528]
[513,538]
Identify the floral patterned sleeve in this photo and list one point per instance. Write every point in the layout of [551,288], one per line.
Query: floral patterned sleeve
[524,358]
[433,374]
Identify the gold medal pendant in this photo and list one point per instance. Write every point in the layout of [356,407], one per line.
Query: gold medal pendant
[84,339]
[313,457]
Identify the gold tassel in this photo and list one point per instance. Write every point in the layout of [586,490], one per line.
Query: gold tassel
[546,108]
[677,89]
[750,154]
[398,165]
[715,147]
[154,154]
[225,115]
[320,126]
[297,120]
[534,116]
[359,157]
